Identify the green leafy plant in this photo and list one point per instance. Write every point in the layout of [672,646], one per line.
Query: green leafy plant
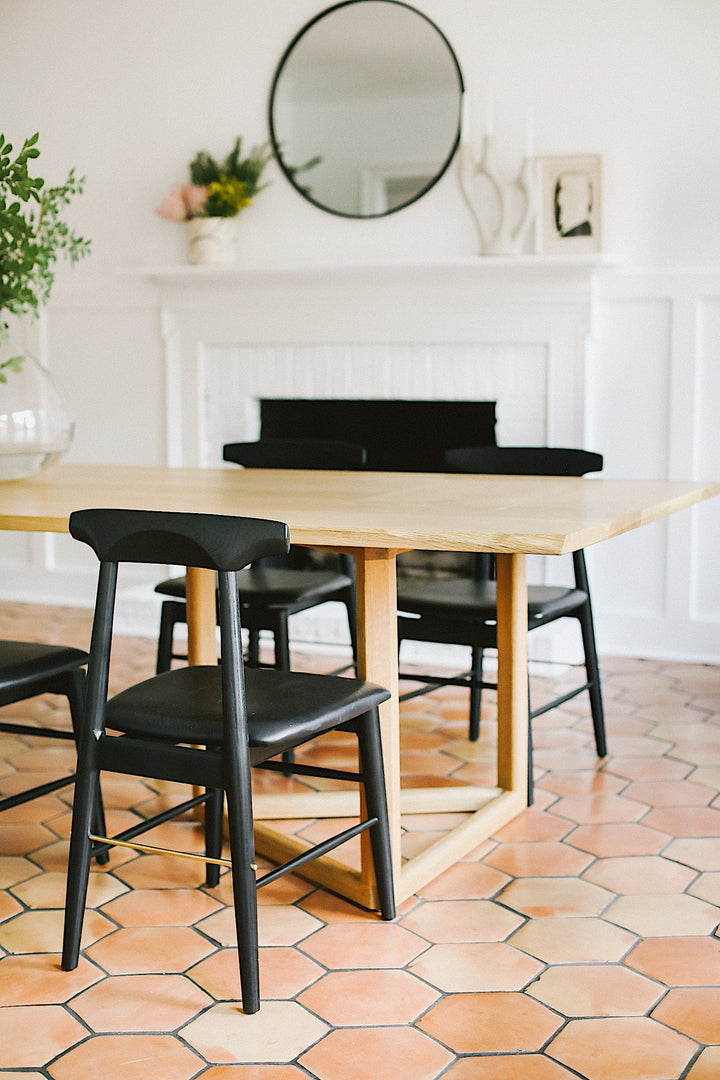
[33,236]
[218,189]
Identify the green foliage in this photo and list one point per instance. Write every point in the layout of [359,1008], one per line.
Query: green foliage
[33,235]
[205,170]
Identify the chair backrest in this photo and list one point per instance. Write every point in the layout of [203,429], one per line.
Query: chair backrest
[212,541]
[523,460]
[296,454]
[215,542]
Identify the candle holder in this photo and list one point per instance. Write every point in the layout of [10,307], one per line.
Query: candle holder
[513,220]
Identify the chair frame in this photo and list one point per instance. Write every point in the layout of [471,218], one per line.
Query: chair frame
[526,461]
[224,545]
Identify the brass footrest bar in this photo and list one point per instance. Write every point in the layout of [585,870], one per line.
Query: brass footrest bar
[149,849]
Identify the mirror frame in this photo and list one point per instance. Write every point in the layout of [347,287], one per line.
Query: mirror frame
[273,91]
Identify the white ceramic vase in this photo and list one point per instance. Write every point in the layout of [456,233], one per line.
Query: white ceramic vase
[212,241]
[35,428]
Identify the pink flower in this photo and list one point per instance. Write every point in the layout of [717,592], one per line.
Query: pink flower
[183,202]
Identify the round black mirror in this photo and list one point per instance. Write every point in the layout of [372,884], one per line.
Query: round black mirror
[365,108]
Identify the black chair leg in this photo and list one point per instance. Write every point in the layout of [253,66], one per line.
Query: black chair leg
[171,612]
[87,785]
[75,696]
[593,677]
[242,850]
[371,760]
[476,675]
[213,834]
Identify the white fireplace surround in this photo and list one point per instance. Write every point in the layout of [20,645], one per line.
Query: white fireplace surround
[514,331]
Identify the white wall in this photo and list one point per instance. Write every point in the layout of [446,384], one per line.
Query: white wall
[127,91]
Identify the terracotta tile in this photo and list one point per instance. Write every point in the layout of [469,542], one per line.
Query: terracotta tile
[590,782]
[656,915]
[127,1057]
[538,859]
[476,967]
[618,839]
[461,920]
[650,768]
[678,961]
[670,793]
[368,998]
[465,881]
[352,945]
[707,887]
[32,1035]
[161,872]
[48,890]
[685,820]
[149,950]
[541,897]
[14,869]
[23,839]
[622,1048]
[383,1053]
[42,931]
[573,940]
[37,979]
[695,1011]
[284,972]
[533,826]
[508,1067]
[599,809]
[707,1066]
[640,874]
[160,907]
[491,1023]
[330,908]
[596,990]
[277,1033]
[703,853]
[135,1003]
[277,925]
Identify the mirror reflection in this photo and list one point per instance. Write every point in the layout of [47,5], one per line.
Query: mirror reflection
[365,108]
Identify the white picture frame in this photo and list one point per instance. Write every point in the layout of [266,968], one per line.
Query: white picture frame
[569,206]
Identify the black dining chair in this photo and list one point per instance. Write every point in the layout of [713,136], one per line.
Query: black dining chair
[207,726]
[273,590]
[30,669]
[463,610]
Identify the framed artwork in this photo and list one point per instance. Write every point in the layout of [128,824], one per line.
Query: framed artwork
[569,207]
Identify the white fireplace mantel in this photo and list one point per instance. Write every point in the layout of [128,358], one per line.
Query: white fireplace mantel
[510,329]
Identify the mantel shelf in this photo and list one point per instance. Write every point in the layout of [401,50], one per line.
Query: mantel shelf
[520,269]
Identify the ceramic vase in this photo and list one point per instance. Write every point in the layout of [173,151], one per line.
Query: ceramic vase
[212,241]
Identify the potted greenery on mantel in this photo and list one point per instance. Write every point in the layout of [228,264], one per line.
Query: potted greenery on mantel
[34,428]
[210,204]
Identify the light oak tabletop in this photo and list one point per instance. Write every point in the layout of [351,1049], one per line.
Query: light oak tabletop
[427,511]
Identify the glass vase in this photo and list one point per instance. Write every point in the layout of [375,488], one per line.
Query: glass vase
[35,428]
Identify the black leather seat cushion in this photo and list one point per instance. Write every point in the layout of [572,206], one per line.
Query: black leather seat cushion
[466,599]
[23,663]
[284,708]
[273,585]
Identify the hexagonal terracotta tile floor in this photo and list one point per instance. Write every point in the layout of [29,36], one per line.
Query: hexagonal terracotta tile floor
[580,941]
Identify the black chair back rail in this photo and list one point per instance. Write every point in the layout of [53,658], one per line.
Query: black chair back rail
[208,725]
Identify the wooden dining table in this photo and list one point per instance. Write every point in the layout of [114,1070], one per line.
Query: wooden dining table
[375,516]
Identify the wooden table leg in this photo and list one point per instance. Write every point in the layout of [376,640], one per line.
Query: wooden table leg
[512,631]
[376,589]
[200,600]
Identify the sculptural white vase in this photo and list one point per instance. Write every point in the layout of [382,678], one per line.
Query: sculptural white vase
[35,427]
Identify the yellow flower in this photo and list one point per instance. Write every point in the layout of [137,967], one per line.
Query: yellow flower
[226,197]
